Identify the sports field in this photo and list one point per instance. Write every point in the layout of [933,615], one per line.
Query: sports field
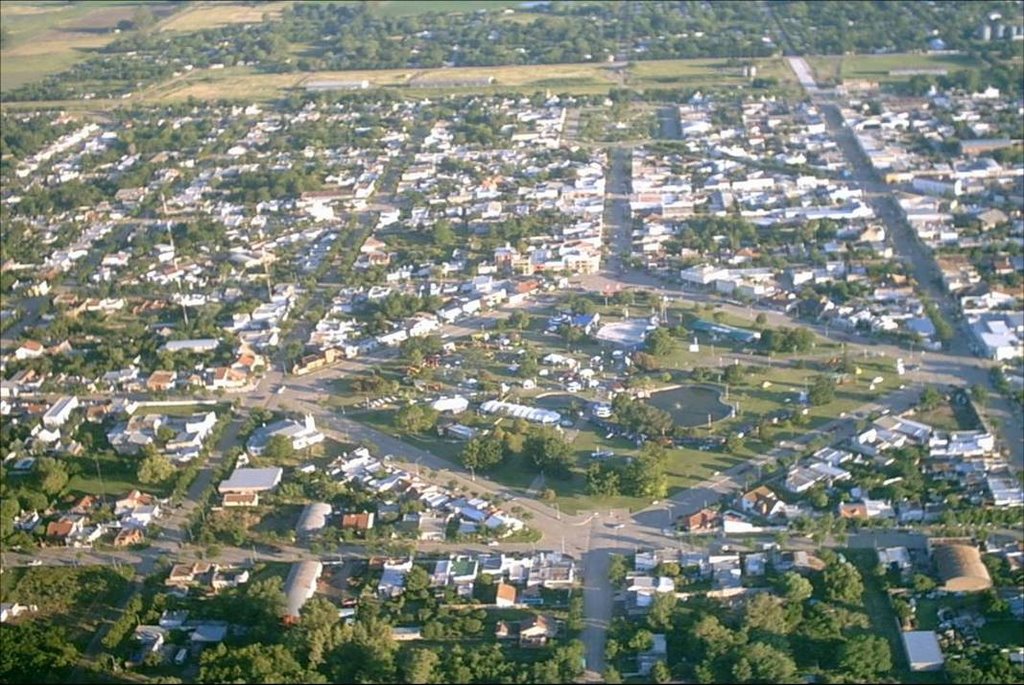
[878,67]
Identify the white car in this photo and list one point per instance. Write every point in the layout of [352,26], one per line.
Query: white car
[35,562]
[280,391]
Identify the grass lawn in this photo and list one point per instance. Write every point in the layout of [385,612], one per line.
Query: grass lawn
[948,416]
[877,67]
[116,476]
[1007,632]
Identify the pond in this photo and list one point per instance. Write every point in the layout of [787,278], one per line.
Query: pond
[690,405]
[561,402]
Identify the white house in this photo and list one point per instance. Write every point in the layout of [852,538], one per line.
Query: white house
[57,415]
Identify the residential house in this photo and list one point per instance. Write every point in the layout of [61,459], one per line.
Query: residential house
[505,595]
[129,536]
[357,521]
[535,631]
[761,501]
[161,381]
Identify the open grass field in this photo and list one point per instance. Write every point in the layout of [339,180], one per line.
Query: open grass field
[45,38]
[207,15]
[244,83]
[689,72]
[877,67]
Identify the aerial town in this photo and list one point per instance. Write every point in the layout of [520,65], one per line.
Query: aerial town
[512,342]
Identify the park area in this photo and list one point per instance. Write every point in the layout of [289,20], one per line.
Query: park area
[728,401]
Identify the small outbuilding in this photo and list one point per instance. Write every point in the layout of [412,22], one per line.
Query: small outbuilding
[313,518]
[923,650]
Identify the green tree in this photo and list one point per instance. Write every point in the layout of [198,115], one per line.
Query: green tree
[734,443]
[866,658]
[317,633]
[663,607]
[645,475]
[602,480]
[574,619]
[417,583]
[255,663]
[278,449]
[733,374]
[762,663]
[35,652]
[548,451]
[714,638]
[660,343]
[823,391]
[420,666]
[415,418]
[618,567]
[9,509]
[154,469]
[612,675]
[481,454]
[764,613]
[660,672]
[795,588]
[842,583]
[922,583]
[52,474]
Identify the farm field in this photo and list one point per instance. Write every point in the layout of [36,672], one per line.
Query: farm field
[208,15]
[45,38]
[877,67]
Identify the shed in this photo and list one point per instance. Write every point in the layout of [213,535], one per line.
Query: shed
[961,569]
[923,650]
[300,586]
[313,518]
